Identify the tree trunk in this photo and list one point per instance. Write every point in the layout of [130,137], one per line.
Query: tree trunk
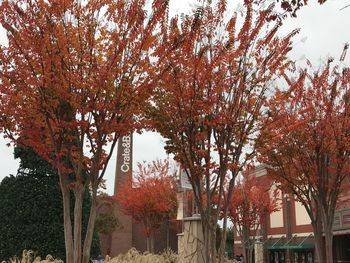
[209,234]
[78,215]
[327,213]
[245,253]
[90,229]
[233,242]
[250,259]
[224,227]
[246,244]
[167,234]
[223,238]
[205,229]
[152,238]
[329,242]
[68,237]
[213,244]
[148,243]
[319,244]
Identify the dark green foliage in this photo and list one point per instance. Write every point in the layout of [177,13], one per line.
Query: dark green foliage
[31,211]
[106,223]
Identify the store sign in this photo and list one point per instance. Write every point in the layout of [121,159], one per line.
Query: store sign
[124,161]
[184,180]
[126,152]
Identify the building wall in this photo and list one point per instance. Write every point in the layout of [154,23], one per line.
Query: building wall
[292,225]
[276,218]
[301,215]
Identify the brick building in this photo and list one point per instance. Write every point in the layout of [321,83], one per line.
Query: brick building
[287,235]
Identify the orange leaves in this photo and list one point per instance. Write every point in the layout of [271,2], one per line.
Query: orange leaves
[152,199]
[250,203]
[217,77]
[78,72]
[307,136]
[217,74]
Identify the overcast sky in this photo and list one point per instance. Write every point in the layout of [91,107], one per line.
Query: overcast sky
[324,31]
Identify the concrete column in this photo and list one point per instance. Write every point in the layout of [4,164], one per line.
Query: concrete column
[180,246]
[191,245]
[259,252]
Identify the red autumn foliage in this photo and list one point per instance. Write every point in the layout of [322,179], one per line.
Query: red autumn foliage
[307,142]
[249,206]
[208,104]
[73,78]
[151,198]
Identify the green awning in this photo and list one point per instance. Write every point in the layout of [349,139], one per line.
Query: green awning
[291,244]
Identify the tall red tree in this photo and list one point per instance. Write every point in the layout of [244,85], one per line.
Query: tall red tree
[250,204]
[208,103]
[151,198]
[307,143]
[73,78]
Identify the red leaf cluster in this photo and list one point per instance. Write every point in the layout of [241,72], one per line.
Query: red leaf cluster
[75,75]
[250,204]
[306,143]
[152,198]
[307,138]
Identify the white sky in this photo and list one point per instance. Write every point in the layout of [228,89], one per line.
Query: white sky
[325,28]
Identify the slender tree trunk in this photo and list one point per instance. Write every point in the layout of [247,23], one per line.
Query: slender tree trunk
[250,259]
[213,243]
[233,242]
[167,234]
[152,238]
[205,230]
[329,242]
[246,244]
[78,215]
[319,244]
[90,229]
[148,243]
[245,250]
[224,227]
[68,235]
[223,237]
[327,212]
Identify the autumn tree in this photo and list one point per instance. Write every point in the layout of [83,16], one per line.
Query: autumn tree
[73,78]
[207,105]
[249,205]
[307,144]
[151,198]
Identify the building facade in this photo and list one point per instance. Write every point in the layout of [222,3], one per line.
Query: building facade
[287,235]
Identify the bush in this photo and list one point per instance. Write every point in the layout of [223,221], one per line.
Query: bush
[28,256]
[133,256]
[31,210]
